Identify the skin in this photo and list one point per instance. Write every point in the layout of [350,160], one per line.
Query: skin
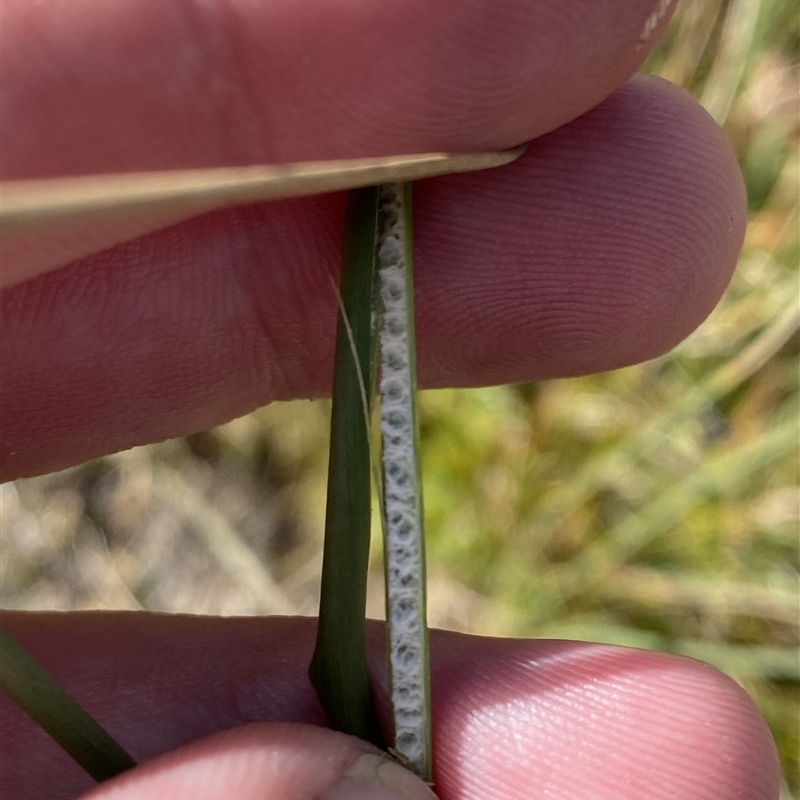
[605,245]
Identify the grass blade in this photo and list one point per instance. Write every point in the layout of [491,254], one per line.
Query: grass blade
[339,666]
[404,549]
[731,467]
[41,698]
[33,206]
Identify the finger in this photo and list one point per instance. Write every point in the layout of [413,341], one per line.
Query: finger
[513,719]
[47,223]
[128,100]
[276,761]
[96,87]
[608,242]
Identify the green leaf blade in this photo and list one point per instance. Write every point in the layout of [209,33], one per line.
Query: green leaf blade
[32,688]
[339,666]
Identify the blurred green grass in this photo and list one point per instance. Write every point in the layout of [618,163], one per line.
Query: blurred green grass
[655,506]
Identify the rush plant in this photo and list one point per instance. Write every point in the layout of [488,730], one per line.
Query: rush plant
[374,348]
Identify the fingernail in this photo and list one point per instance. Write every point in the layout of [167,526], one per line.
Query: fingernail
[651,23]
[375,777]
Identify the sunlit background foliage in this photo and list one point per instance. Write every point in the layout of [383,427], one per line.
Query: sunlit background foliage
[654,506]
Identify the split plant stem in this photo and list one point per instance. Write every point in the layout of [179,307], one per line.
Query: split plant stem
[376,305]
[404,541]
[378,232]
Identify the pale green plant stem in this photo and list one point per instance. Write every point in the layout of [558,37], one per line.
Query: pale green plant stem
[36,205]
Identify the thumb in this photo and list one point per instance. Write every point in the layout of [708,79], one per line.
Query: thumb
[269,761]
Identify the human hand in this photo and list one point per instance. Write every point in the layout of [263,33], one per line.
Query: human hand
[607,243]
[512,719]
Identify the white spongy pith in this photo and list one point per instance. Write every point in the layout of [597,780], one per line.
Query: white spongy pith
[405,589]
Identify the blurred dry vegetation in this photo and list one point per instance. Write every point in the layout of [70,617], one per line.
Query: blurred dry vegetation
[655,506]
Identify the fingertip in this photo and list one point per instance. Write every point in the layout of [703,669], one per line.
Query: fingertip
[269,761]
[605,245]
[611,723]
[692,222]
[730,736]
